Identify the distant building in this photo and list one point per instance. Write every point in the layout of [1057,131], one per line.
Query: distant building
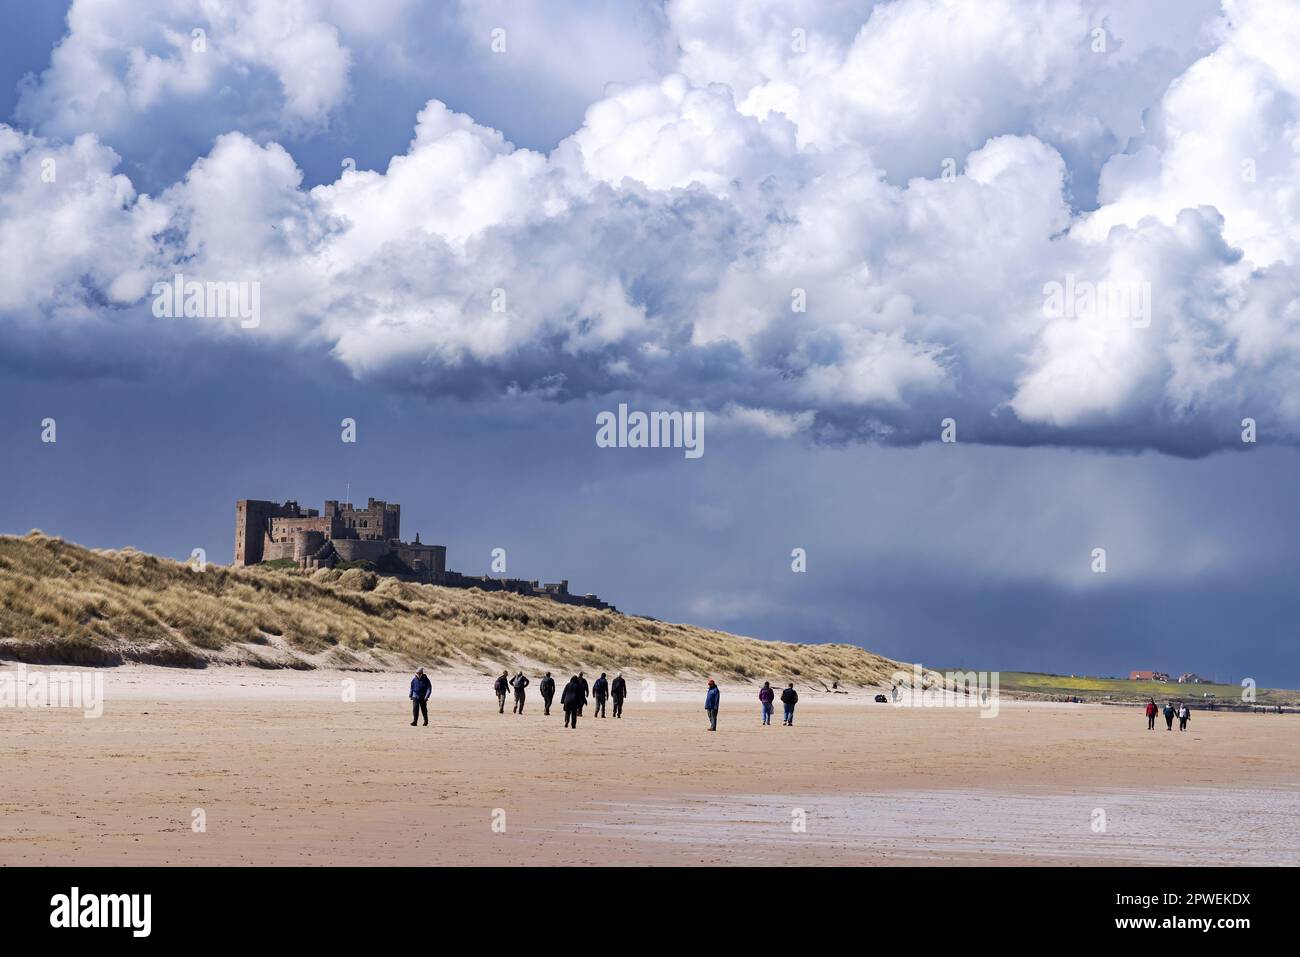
[1190,679]
[1147,676]
[267,531]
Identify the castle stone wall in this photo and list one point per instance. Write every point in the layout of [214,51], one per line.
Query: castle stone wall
[360,549]
[284,529]
[307,543]
[423,558]
[274,551]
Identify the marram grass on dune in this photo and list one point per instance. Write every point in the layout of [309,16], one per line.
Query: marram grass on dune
[63,603]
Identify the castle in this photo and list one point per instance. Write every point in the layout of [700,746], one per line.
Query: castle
[265,531]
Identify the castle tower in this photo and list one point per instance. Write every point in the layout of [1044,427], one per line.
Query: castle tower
[251,516]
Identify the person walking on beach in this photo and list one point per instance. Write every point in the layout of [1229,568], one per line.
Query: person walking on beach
[601,691]
[789,697]
[1169,716]
[586,690]
[500,687]
[1183,714]
[618,691]
[421,688]
[572,701]
[519,682]
[547,688]
[765,697]
[712,698]
[1151,715]
[566,696]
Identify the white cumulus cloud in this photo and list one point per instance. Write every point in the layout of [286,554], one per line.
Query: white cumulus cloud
[840,221]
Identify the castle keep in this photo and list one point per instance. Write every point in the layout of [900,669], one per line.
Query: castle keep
[344,534]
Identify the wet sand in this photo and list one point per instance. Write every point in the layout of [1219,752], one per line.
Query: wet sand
[284,770]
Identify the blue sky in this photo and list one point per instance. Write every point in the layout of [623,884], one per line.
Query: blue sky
[648,190]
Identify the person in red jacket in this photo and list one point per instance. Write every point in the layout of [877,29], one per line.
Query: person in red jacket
[1151,714]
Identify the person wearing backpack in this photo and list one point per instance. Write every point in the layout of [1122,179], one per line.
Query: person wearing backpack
[600,690]
[421,689]
[712,698]
[1184,713]
[789,697]
[519,682]
[547,688]
[618,691]
[765,698]
[501,686]
[1151,715]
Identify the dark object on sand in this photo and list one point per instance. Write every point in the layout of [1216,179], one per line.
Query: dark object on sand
[881,699]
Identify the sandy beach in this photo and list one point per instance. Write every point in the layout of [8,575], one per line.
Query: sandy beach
[323,768]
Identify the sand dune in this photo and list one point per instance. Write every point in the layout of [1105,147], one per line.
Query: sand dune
[60,603]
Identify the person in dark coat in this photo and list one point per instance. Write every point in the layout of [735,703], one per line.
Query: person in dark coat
[618,691]
[501,686]
[421,689]
[1169,716]
[601,691]
[712,698]
[547,688]
[566,696]
[789,697]
[519,682]
[586,689]
[765,698]
[572,700]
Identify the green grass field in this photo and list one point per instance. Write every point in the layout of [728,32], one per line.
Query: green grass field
[1121,689]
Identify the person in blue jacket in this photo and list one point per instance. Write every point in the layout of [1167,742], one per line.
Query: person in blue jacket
[711,699]
[421,689]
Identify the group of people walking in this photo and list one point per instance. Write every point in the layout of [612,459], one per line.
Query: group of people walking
[766,696]
[789,697]
[572,699]
[576,693]
[1181,712]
